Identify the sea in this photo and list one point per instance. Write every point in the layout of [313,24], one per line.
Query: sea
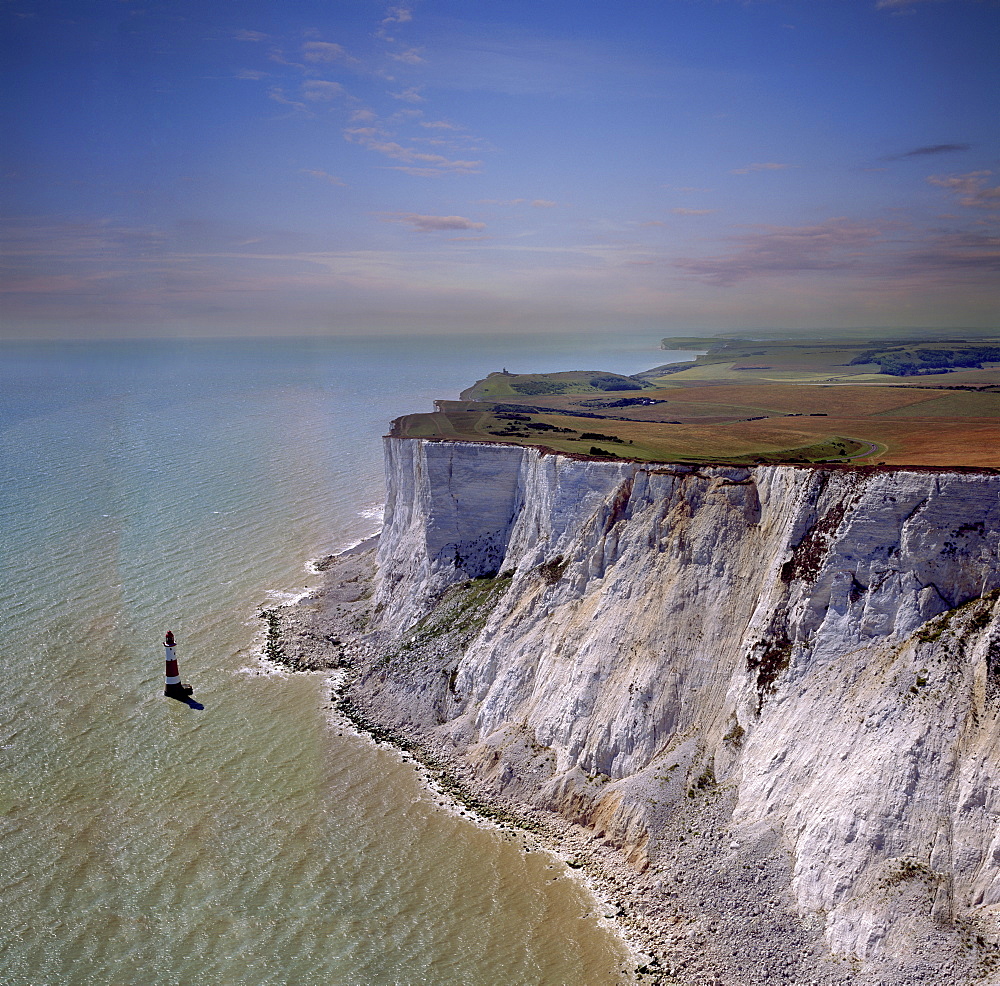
[181,485]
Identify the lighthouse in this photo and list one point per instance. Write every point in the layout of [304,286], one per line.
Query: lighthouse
[172,687]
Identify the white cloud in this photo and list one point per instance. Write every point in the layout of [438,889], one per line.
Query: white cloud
[543,204]
[318,90]
[326,51]
[411,95]
[426,164]
[410,57]
[971,188]
[431,224]
[396,15]
[692,212]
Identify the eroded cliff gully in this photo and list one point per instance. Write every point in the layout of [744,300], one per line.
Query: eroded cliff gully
[798,662]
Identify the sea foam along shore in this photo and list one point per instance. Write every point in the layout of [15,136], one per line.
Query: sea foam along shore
[701,909]
[324,631]
[441,779]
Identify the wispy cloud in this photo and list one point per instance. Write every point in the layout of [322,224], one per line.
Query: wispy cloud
[442,147]
[326,51]
[277,94]
[418,162]
[543,204]
[431,224]
[411,56]
[396,15]
[833,245]
[324,176]
[119,274]
[692,212]
[410,95]
[250,36]
[277,56]
[954,253]
[972,189]
[877,252]
[929,150]
[317,90]
[760,166]
[91,241]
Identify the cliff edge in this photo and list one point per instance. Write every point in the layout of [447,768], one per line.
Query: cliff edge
[772,690]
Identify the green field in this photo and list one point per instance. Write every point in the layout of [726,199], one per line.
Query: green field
[520,385]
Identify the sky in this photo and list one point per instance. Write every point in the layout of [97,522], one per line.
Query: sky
[230,167]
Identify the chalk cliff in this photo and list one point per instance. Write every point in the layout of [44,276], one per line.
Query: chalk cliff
[815,652]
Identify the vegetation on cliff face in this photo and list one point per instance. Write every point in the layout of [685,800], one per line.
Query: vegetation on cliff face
[465,607]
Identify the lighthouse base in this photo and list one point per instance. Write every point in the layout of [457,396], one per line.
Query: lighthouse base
[183,692]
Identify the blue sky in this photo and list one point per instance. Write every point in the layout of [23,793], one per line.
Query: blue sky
[349,166]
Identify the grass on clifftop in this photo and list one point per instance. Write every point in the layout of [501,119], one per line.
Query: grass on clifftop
[748,402]
[520,385]
[641,441]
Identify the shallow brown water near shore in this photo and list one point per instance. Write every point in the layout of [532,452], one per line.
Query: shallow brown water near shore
[146,842]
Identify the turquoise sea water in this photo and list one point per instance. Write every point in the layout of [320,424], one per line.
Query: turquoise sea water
[178,485]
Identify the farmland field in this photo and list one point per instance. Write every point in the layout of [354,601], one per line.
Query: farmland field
[749,402]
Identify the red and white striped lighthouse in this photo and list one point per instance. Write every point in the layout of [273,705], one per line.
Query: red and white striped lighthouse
[172,686]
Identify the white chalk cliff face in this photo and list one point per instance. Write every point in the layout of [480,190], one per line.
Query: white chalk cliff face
[822,643]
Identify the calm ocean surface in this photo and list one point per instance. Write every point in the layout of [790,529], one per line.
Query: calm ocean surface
[178,485]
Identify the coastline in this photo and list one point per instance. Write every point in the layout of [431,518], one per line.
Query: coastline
[663,903]
[441,779]
[323,632]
